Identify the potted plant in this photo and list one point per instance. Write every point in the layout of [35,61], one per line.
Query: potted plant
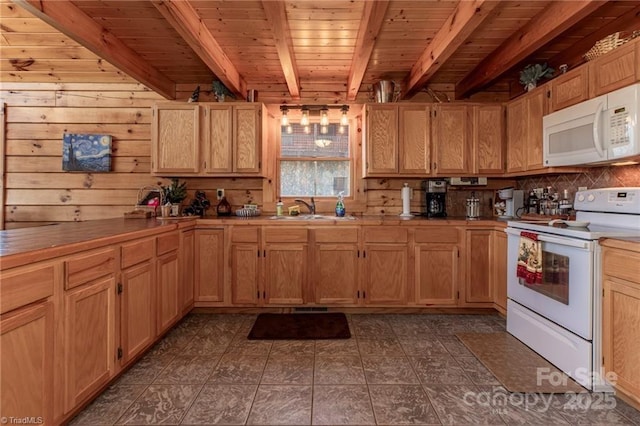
[532,73]
[175,194]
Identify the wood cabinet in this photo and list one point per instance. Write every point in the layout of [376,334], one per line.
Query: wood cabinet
[167,281]
[621,318]
[487,134]
[244,268]
[233,138]
[335,275]
[615,70]
[397,140]
[524,131]
[499,269]
[175,139]
[436,258]
[285,265]
[209,266]
[89,342]
[569,89]
[478,282]
[26,382]
[385,265]
[187,270]
[452,152]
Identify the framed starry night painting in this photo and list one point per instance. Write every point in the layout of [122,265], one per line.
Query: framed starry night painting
[86,153]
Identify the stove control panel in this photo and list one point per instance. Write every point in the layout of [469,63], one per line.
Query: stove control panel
[609,200]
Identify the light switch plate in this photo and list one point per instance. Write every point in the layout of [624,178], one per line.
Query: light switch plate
[219,193]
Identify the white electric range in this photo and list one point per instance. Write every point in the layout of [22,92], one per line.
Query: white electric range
[561,316]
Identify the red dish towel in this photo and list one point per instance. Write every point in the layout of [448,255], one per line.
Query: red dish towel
[530,258]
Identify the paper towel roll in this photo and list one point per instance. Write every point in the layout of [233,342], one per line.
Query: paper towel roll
[406,200]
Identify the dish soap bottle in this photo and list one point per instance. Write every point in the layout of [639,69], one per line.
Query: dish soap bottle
[279,207]
[340,205]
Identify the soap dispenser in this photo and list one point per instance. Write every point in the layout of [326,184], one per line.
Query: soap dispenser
[340,211]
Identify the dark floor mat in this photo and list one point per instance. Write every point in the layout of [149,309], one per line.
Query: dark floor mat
[300,327]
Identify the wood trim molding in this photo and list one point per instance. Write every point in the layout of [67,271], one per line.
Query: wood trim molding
[463,21]
[67,18]
[544,27]
[277,17]
[370,25]
[3,154]
[186,21]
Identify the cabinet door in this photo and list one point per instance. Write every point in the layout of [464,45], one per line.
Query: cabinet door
[335,274]
[187,269]
[621,333]
[615,70]
[219,139]
[89,339]
[382,139]
[167,284]
[245,274]
[536,109]
[209,265]
[26,382]
[385,274]
[478,286]
[436,274]
[285,273]
[517,135]
[247,138]
[569,89]
[451,142]
[488,140]
[414,139]
[499,268]
[176,139]
[137,310]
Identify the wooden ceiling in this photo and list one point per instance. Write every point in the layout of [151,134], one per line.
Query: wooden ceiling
[300,50]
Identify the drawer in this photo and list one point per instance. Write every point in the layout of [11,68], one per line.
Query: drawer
[285,235]
[135,252]
[336,235]
[24,285]
[244,234]
[167,243]
[436,235]
[84,268]
[621,264]
[385,234]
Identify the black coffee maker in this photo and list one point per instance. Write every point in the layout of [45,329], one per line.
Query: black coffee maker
[435,195]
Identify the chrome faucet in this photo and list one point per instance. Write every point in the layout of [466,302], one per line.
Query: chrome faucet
[311,206]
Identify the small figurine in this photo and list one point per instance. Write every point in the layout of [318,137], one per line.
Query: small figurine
[198,205]
[195,95]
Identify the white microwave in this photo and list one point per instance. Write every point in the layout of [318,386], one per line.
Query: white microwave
[600,130]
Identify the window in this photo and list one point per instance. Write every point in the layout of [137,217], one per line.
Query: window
[315,162]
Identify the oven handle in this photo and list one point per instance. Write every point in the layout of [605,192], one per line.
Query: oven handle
[556,240]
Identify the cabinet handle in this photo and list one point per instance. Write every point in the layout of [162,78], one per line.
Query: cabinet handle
[264,295]
[358,253]
[119,289]
[435,166]
[258,253]
[364,294]
[364,254]
[358,294]
[264,253]
[258,296]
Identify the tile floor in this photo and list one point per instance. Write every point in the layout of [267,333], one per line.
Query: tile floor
[396,369]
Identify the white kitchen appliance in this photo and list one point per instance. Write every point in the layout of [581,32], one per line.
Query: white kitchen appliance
[601,130]
[561,317]
[509,203]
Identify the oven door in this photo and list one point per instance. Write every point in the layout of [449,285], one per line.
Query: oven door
[565,294]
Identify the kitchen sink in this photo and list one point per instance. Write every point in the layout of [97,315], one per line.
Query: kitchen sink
[312,217]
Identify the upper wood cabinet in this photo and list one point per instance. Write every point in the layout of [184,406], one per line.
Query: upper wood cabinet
[487,133]
[524,131]
[615,70]
[397,140]
[569,89]
[452,152]
[207,139]
[233,138]
[175,136]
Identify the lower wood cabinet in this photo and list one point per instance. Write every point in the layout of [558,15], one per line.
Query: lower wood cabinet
[498,264]
[187,270]
[89,339]
[137,310]
[621,319]
[335,271]
[244,267]
[168,280]
[436,273]
[209,266]
[385,265]
[26,382]
[285,273]
[478,279]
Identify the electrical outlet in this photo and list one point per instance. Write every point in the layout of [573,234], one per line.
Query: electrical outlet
[582,188]
[219,193]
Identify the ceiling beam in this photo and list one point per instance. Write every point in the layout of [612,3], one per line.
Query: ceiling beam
[572,56]
[467,16]
[556,18]
[277,16]
[186,21]
[370,25]
[67,18]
